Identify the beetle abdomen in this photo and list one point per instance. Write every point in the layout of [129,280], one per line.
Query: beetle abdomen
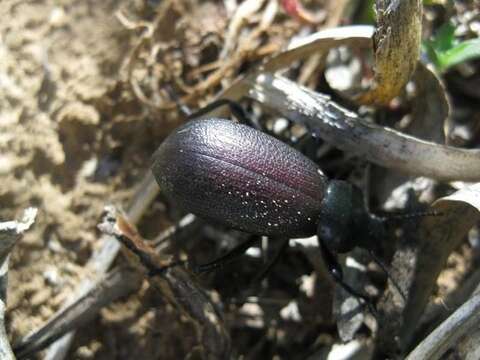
[232,174]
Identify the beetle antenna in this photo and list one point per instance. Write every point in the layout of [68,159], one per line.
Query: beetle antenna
[382,266]
[413,215]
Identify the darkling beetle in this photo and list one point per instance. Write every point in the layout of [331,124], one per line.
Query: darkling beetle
[232,174]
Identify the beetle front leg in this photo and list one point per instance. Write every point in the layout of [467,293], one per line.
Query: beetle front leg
[335,270]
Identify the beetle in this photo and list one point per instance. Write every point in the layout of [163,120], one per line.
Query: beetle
[232,174]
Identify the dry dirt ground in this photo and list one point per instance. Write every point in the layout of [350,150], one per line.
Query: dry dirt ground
[72,139]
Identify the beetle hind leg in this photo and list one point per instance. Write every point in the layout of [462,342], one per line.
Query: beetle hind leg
[234,107]
[230,256]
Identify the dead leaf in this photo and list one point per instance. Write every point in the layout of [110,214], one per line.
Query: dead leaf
[422,259]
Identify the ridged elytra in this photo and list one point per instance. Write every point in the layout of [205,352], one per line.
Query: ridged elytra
[232,174]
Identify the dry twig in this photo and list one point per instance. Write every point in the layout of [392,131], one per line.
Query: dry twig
[175,284]
[347,131]
[397,48]
[463,321]
[10,233]
[114,285]
[103,258]
[239,49]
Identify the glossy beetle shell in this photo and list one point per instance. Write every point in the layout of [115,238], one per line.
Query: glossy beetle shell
[235,175]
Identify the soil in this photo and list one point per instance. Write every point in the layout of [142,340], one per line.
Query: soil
[73,139]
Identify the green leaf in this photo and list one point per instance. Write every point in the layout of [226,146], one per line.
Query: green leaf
[367,13]
[445,51]
[444,38]
[431,53]
[464,51]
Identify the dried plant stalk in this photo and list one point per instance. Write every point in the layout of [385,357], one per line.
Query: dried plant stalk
[397,48]
[10,233]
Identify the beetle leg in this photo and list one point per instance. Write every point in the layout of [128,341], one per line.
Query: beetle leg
[268,267]
[235,108]
[153,271]
[237,251]
[182,107]
[335,269]
[382,266]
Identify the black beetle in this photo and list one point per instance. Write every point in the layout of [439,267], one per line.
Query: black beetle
[232,174]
